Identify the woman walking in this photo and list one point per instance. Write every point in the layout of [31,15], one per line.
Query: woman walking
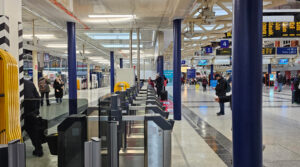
[58,87]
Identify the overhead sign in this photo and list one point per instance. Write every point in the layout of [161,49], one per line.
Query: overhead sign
[224,43]
[191,73]
[208,49]
[221,61]
[283,61]
[183,61]
[268,51]
[287,51]
[278,29]
[223,51]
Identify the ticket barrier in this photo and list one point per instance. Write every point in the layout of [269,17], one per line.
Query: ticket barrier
[12,154]
[157,134]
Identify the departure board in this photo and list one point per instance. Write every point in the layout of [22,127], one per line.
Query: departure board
[277,30]
[268,51]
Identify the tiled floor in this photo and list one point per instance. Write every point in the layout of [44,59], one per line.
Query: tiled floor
[204,139]
[281,126]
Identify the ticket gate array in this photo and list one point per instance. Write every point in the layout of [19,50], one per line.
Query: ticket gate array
[129,128]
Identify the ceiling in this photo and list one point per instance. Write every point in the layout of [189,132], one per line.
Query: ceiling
[97,35]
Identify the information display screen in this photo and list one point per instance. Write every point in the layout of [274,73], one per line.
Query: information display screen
[277,30]
[223,51]
[202,62]
[268,51]
[283,61]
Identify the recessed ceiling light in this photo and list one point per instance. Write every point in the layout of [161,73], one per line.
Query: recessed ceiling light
[111,16]
[56,45]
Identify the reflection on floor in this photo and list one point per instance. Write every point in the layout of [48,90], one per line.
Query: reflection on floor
[203,139]
[280,127]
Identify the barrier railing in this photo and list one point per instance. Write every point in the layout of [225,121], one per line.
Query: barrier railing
[10,128]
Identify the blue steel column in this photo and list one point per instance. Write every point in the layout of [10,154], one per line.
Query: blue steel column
[177,68]
[211,72]
[112,72]
[72,65]
[161,65]
[247,86]
[121,62]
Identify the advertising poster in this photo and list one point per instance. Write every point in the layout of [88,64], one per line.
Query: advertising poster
[169,75]
[191,73]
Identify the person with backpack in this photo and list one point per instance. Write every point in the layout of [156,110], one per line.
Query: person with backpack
[44,89]
[221,89]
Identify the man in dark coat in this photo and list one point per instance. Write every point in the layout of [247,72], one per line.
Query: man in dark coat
[297,88]
[159,84]
[31,111]
[280,82]
[221,92]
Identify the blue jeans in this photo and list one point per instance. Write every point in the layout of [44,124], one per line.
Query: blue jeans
[279,87]
[222,110]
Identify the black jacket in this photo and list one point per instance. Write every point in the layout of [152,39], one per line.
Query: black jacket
[58,88]
[31,99]
[280,79]
[221,87]
[296,84]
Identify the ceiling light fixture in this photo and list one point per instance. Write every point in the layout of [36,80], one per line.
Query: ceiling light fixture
[39,36]
[111,16]
[56,45]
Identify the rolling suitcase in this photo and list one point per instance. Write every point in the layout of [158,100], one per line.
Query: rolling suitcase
[164,95]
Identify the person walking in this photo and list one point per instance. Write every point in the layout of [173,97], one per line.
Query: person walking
[31,112]
[280,82]
[58,88]
[221,92]
[297,88]
[204,84]
[159,83]
[44,89]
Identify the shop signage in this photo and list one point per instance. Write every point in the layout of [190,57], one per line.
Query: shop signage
[183,61]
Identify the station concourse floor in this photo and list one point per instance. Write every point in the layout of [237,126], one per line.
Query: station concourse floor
[203,139]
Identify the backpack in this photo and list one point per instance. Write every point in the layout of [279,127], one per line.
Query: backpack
[42,85]
[228,87]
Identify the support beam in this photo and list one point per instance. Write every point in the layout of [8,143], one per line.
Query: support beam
[121,62]
[112,72]
[247,70]
[130,49]
[72,67]
[138,58]
[177,69]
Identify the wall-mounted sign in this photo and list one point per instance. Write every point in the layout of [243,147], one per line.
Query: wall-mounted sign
[183,61]
[224,43]
[268,51]
[223,51]
[283,61]
[287,51]
[208,49]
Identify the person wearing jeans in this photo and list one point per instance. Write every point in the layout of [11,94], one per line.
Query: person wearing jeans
[280,82]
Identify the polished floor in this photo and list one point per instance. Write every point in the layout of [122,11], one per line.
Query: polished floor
[209,141]
[204,139]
